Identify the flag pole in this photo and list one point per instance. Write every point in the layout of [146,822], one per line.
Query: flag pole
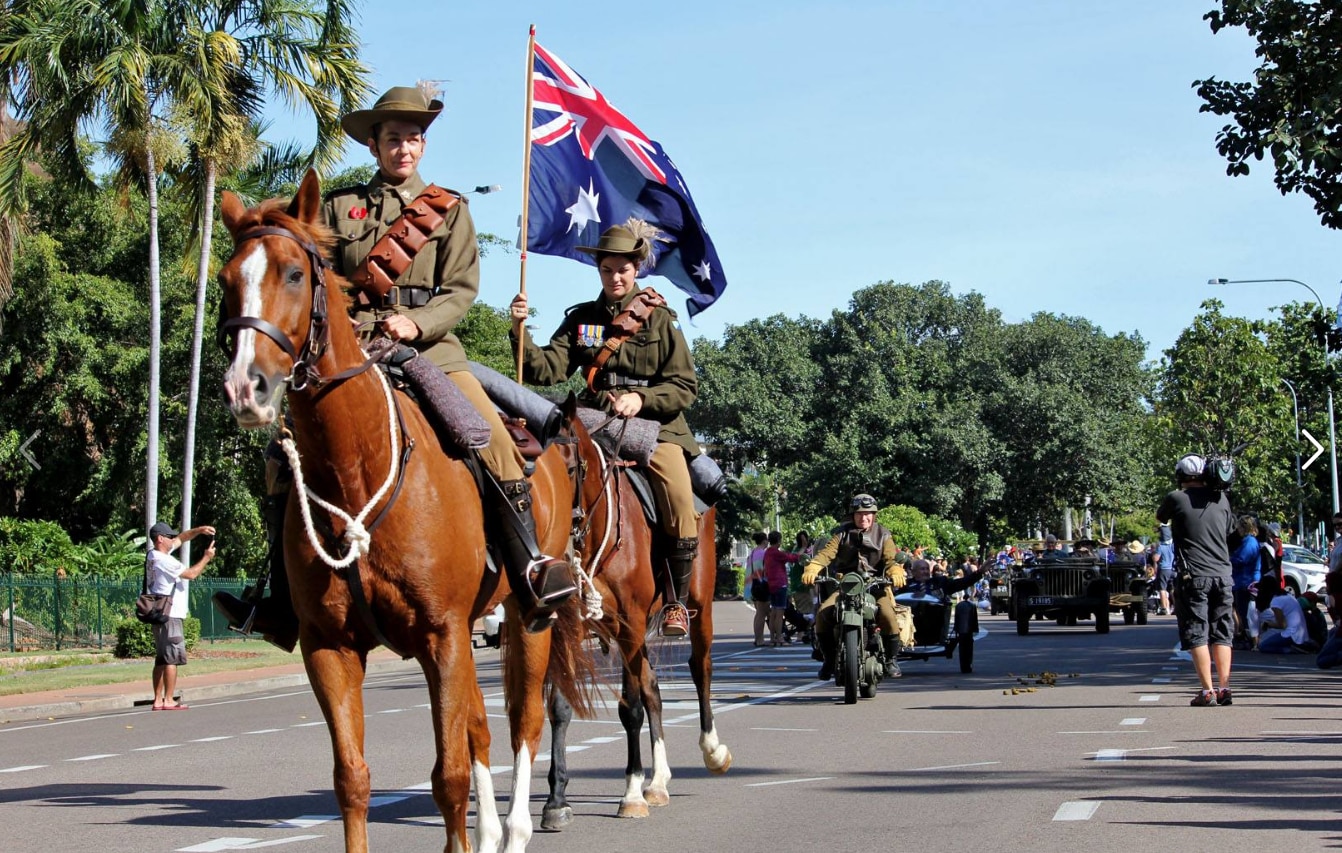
[521,325]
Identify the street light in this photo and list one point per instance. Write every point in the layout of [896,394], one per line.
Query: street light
[1299,483]
[1332,424]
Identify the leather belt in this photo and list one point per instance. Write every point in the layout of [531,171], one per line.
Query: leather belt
[606,381]
[407,297]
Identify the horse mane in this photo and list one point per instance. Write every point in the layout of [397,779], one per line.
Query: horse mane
[274,213]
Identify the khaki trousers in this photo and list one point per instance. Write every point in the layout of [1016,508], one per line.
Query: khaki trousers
[669,476]
[895,620]
[501,457]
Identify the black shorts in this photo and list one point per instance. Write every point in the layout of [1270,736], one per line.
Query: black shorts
[1206,612]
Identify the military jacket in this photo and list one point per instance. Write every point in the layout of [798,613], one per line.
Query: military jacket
[842,551]
[654,363]
[445,273]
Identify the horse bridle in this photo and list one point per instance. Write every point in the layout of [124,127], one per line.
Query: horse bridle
[304,358]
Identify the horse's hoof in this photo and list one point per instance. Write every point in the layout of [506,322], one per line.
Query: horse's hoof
[553,820]
[720,761]
[657,797]
[633,810]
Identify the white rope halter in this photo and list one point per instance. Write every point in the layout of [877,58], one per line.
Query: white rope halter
[357,536]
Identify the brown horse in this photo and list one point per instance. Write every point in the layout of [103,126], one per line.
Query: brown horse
[398,554]
[618,550]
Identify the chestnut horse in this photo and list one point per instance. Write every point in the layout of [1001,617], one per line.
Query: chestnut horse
[398,554]
[618,551]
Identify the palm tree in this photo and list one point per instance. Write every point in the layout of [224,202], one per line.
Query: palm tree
[235,51]
[72,63]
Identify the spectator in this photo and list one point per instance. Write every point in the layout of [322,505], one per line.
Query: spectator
[1335,553]
[775,572]
[1201,521]
[1244,563]
[757,585]
[167,576]
[1281,621]
[1164,558]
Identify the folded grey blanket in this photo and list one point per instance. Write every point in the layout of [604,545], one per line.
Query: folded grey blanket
[542,416]
[639,434]
[442,401]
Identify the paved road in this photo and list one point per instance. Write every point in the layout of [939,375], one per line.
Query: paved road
[1109,759]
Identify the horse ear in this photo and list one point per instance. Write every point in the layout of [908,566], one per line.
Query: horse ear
[231,210]
[306,205]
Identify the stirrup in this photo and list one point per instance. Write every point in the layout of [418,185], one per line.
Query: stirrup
[548,589]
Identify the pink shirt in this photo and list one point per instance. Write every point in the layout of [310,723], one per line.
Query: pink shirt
[775,566]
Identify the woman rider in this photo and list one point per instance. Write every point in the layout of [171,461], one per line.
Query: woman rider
[651,375]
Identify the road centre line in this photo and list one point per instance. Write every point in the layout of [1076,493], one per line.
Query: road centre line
[218,845]
[155,748]
[949,767]
[767,729]
[212,739]
[1149,699]
[782,694]
[1132,721]
[1111,732]
[789,781]
[1111,755]
[922,732]
[22,768]
[1164,679]
[263,732]
[1077,810]
[94,757]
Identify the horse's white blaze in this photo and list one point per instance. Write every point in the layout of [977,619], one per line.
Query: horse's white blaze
[253,271]
[488,830]
[661,767]
[519,811]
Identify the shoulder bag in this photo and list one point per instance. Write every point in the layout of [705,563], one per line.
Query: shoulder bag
[151,608]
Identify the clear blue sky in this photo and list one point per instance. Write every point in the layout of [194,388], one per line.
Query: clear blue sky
[1048,154]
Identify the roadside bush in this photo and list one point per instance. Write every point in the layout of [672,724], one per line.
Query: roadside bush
[135,639]
[730,581]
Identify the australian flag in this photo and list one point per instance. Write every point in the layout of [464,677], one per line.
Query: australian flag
[591,168]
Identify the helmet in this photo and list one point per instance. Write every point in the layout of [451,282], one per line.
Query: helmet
[1190,467]
[863,503]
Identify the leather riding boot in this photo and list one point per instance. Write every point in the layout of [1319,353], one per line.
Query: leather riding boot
[541,583]
[272,617]
[891,657]
[680,567]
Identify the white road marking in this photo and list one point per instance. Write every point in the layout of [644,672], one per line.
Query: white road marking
[305,725]
[1149,699]
[951,766]
[212,739]
[922,732]
[94,757]
[604,739]
[306,821]
[1170,669]
[156,748]
[788,781]
[263,732]
[1162,680]
[220,844]
[766,729]
[1111,732]
[374,802]
[1076,810]
[1133,721]
[1111,755]
[22,768]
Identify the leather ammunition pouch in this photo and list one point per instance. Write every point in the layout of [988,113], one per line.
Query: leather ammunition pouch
[392,255]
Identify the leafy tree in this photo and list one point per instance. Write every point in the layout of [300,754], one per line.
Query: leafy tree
[1219,390]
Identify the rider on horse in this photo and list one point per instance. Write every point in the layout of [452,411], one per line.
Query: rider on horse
[862,541]
[433,289]
[649,374]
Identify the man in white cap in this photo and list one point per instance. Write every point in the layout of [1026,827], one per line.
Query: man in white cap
[1201,520]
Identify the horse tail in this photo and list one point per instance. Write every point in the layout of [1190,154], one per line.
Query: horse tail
[572,668]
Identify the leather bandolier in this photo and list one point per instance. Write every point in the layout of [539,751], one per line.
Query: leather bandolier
[393,253]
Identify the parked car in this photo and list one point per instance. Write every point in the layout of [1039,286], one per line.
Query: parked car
[1302,570]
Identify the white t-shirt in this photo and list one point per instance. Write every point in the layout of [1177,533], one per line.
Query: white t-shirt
[1295,629]
[165,578]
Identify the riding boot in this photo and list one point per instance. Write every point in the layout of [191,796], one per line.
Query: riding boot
[680,566]
[272,617]
[891,656]
[541,583]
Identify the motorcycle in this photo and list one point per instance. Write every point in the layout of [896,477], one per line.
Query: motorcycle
[859,663]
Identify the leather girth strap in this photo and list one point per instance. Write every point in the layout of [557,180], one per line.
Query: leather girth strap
[392,255]
[625,326]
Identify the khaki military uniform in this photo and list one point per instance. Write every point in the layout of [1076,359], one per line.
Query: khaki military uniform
[654,363]
[842,554]
[437,290]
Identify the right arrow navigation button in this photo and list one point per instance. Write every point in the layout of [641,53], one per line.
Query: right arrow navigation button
[1318,448]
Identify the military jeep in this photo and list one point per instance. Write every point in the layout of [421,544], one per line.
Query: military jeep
[1065,589]
[1127,591]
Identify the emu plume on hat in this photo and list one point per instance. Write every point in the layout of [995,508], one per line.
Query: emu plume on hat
[399,103]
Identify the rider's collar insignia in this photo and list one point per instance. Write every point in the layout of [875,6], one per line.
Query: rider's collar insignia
[591,334]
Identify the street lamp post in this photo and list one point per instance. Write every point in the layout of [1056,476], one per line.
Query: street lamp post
[1299,481]
[1332,423]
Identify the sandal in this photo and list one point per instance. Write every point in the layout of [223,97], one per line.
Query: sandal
[1223,697]
[178,707]
[1203,699]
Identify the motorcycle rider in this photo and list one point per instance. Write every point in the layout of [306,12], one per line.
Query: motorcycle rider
[861,541]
